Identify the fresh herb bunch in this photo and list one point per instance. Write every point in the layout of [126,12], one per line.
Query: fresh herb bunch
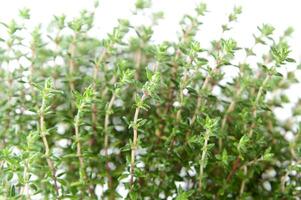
[126,117]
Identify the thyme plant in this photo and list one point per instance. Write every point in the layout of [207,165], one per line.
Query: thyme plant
[126,117]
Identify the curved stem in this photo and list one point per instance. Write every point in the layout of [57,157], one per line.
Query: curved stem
[135,142]
[43,133]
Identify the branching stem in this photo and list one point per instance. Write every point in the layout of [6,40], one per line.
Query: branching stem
[43,133]
[135,141]
[254,115]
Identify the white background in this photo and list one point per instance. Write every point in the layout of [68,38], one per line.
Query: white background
[279,13]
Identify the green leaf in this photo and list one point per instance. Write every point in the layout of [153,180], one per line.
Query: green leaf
[12,191]
[267,156]
[142,4]
[201,9]
[24,13]
[266,30]
[184,196]
[242,145]
[290,60]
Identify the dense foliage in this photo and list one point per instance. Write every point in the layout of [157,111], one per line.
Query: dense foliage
[86,118]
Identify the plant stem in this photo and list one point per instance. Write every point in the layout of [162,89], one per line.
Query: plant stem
[183,85]
[179,112]
[94,112]
[106,143]
[43,133]
[72,62]
[174,71]
[198,104]
[135,142]
[254,115]
[204,86]
[199,99]
[243,183]
[25,188]
[138,58]
[82,172]
[228,111]
[203,159]
[94,107]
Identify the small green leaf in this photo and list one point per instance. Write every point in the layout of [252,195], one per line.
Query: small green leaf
[290,60]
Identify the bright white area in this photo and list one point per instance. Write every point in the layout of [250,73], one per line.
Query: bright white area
[279,13]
